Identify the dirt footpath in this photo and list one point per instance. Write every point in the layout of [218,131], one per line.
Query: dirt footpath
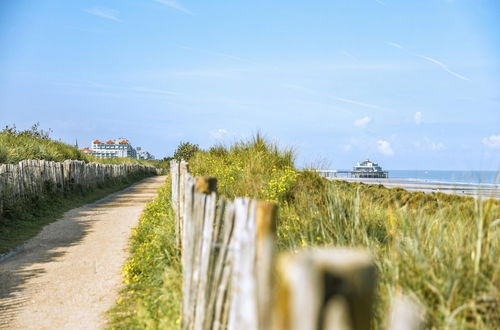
[68,276]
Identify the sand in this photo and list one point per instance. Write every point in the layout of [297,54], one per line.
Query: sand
[427,187]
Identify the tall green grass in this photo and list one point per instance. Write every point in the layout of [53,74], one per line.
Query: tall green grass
[442,250]
[35,143]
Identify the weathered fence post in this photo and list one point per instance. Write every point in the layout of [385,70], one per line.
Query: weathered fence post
[199,201]
[405,314]
[174,176]
[325,289]
[266,221]
[252,260]
[184,177]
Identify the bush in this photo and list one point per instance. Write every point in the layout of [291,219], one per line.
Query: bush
[186,151]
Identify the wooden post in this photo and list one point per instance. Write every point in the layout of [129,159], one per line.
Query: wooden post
[207,187]
[266,221]
[184,177]
[405,314]
[252,260]
[205,184]
[199,212]
[325,289]
[174,176]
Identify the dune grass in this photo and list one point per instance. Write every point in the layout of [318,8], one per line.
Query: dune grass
[28,217]
[441,250]
[35,143]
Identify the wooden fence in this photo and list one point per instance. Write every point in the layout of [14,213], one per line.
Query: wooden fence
[232,278]
[36,177]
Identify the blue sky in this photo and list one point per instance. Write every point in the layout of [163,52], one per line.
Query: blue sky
[411,84]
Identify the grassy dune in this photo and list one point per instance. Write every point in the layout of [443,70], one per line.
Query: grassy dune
[24,222]
[442,250]
[36,144]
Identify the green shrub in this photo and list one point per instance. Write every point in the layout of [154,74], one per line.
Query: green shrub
[186,151]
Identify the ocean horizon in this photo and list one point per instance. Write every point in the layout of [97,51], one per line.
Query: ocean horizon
[475,177]
[489,178]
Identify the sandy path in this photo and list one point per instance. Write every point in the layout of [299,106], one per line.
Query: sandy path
[69,275]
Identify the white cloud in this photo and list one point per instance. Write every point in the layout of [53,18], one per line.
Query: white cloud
[104,13]
[443,66]
[429,59]
[219,54]
[435,145]
[428,144]
[366,105]
[417,117]
[153,91]
[348,54]
[218,134]
[362,122]
[492,141]
[395,45]
[346,147]
[175,5]
[384,147]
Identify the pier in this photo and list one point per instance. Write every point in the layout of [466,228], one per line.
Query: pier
[363,170]
[353,174]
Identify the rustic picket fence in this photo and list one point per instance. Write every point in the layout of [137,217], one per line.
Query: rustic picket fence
[37,177]
[233,279]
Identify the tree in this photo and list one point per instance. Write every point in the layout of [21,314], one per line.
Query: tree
[186,150]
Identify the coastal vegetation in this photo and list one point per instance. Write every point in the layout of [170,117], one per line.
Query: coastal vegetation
[441,250]
[29,217]
[152,275]
[36,143]
[26,217]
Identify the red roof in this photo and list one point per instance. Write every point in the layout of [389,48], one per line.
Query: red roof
[86,150]
[123,142]
[110,141]
[96,141]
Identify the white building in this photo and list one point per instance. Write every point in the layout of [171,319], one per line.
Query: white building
[111,149]
[141,154]
[369,169]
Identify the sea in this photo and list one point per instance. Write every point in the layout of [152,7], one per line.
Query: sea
[481,178]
